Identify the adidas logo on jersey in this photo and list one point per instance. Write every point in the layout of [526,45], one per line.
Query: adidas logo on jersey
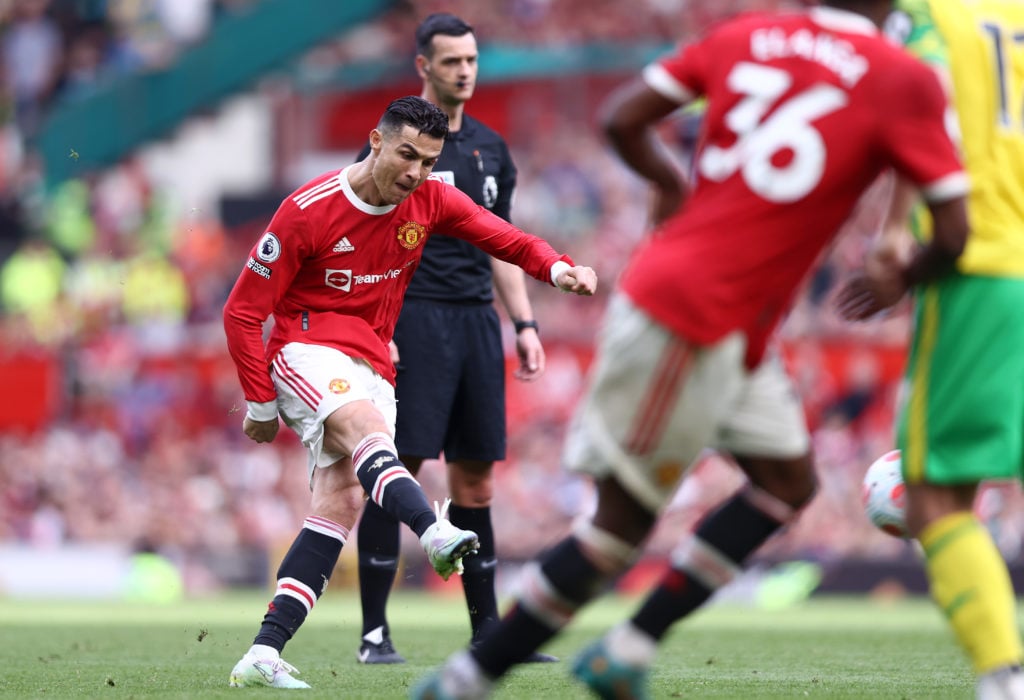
[343,246]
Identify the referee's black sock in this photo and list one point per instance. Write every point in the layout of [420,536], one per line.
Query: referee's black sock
[478,577]
[378,541]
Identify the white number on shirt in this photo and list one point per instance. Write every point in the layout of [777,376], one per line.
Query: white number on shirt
[759,140]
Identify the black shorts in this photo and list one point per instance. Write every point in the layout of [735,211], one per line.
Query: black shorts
[451,381]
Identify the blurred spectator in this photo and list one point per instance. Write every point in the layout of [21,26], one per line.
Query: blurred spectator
[32,53]
[30,287]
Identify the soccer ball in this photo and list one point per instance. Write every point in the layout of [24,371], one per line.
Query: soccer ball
[884,495]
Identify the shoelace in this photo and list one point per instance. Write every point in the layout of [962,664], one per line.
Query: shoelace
[282,665]
[441,511]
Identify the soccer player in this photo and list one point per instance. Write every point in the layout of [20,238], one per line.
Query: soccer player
[332,269]
[962,418]
[451,365]
[804,111]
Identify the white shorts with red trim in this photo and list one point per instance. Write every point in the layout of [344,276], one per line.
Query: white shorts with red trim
[314,381]
[654,402]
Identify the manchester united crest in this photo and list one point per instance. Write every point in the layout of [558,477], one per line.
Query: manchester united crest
[668,473]
[338,386]
[411,234]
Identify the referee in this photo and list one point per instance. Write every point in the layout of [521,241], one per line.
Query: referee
[448,350]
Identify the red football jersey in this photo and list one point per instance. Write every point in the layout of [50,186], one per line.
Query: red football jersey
[332,270]
[804,110]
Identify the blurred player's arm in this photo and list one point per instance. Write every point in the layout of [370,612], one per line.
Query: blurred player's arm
[891,268]
[895,263]
[628,117]
[911,24]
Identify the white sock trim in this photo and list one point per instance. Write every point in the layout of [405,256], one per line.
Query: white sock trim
[631,645]
[262,651]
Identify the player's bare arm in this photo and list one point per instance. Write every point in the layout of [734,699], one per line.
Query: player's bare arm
[628,119]
[949,237]
[889,270]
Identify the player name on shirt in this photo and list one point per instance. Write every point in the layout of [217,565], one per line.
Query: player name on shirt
[834,53]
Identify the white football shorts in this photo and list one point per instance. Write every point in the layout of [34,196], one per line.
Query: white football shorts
[313,381]
[654,402]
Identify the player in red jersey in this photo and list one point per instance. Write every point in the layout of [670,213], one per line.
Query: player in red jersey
[804,110]
[332,270]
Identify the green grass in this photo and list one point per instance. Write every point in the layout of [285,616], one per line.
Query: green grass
[836,648]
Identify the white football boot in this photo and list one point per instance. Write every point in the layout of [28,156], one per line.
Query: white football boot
[264,670]
[446,544]
[1005,683]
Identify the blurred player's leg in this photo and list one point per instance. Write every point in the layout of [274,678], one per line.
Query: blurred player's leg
[701,565]
[970,583]
[478,579]
[960,426]
[763,418]
[552,589]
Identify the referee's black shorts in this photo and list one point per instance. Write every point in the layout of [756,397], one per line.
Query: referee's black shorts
[451,381]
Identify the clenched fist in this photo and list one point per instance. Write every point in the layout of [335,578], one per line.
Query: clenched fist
[578,280]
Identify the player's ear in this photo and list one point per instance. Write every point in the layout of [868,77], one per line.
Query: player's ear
[422,66]
[376,141]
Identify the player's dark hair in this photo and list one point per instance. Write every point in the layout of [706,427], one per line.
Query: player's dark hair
[416,112]
[438,23]
[859,6]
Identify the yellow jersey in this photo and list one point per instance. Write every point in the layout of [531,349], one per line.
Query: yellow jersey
[984,41]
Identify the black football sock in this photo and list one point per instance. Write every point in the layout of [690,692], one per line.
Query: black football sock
[561,582]
[478,577]
[389,484]
[301,579]
[718,548]
[378,542]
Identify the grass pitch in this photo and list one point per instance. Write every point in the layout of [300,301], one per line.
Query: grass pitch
[835,648]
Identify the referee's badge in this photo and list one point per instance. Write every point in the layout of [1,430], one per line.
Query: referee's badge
[339,386]
[490,191]
[411,234]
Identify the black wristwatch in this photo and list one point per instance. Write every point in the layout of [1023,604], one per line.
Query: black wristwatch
[522,325]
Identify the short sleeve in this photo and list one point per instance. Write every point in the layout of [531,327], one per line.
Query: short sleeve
[680,76]
[917,132]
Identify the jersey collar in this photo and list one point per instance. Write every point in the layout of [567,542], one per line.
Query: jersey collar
[842,20]
[359,204]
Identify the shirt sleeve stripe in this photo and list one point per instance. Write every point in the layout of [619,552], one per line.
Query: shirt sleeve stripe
[946,188]
[663,82]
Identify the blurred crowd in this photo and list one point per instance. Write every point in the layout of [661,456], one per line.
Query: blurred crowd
[120,289]
[547,22]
